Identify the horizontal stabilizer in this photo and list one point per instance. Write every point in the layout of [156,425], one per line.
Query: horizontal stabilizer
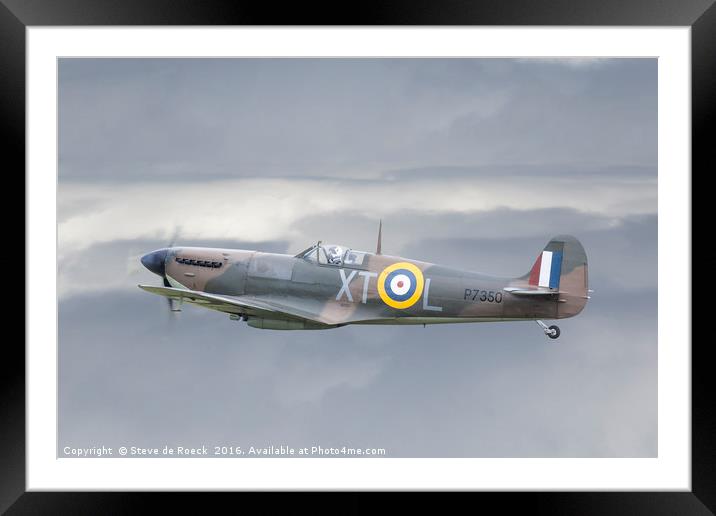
[531,292]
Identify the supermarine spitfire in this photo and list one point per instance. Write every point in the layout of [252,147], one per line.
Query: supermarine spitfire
[327,286]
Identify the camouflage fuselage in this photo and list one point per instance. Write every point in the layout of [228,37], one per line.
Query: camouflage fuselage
[351,293]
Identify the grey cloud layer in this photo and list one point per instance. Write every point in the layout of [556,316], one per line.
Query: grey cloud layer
[268,209]
[125,120]
[470,163]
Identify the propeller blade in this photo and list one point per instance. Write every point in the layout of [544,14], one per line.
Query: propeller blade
[175,237]
[174,304]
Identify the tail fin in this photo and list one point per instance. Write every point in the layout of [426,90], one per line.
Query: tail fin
[562,266]
[548,267]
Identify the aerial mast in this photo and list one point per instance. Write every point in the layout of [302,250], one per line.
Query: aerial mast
[380,236]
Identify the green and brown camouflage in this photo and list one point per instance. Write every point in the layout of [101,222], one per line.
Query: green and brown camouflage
[327,286]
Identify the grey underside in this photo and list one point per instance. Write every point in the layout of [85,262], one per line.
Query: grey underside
[283,308]
[441,320]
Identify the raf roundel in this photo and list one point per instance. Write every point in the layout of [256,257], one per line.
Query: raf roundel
[400,285]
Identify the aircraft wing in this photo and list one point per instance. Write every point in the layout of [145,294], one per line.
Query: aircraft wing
[248,305]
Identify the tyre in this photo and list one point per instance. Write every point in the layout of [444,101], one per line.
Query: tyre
[556,332]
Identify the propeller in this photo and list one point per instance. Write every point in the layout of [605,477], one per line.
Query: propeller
[174,305]
[156,263]
[174,237]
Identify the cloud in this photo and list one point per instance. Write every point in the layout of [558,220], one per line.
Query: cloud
[308,380]
[267,209]
[163,119]
[131,374]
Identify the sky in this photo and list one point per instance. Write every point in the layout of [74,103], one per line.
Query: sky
[470,163]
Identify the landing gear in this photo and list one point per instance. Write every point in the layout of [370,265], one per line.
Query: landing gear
[551,331]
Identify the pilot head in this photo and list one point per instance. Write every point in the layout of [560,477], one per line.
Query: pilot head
[334,254]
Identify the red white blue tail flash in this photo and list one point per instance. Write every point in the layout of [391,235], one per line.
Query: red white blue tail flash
[546,270]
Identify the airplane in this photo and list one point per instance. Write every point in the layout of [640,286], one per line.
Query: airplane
[328,286]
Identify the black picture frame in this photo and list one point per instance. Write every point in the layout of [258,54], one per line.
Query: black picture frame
[700,15]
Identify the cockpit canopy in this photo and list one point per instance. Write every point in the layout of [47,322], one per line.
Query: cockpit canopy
[332,254]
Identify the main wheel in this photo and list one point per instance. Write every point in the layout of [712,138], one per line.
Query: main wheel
[555,332]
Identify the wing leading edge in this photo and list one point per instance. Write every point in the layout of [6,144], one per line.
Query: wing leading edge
[245,305]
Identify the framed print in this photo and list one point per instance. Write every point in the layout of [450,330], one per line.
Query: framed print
[210,165]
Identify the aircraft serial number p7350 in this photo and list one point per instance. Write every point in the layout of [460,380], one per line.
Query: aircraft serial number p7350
[489,296]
